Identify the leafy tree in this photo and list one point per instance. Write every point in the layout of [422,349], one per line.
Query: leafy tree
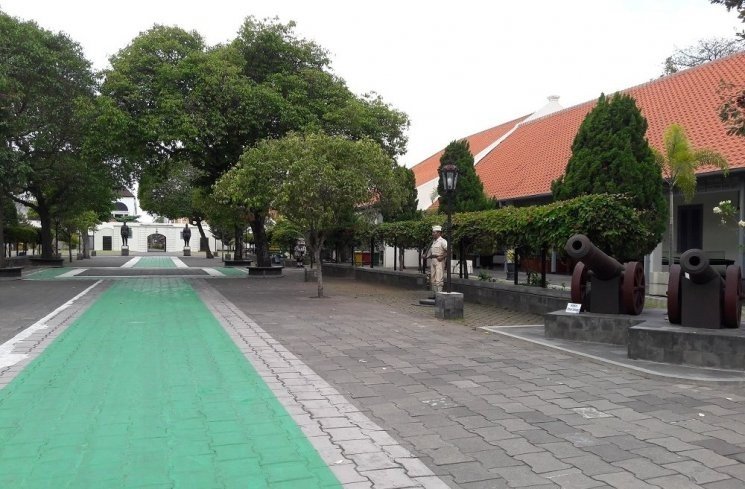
[679,163]
[610,154]
[401,205]
[47,105]
[170,191]
[284,234]
[702,52]
[206,106]
[314,181]
[469,195]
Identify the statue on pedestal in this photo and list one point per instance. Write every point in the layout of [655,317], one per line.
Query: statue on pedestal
[186,235]
[125,234]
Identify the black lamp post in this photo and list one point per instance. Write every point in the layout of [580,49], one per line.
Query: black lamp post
[449,177]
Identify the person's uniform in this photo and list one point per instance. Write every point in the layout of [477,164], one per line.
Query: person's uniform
[438,249]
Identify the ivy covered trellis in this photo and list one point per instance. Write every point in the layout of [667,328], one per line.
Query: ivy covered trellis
[608,220]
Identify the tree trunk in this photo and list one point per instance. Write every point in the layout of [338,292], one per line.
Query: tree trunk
[86,252]
[670,230]
[260,241]
[317,254]
[203,236]
[45,217]
[238,239]
[69,245]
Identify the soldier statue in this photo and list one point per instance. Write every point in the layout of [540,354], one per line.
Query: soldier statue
[125,234]
[186,234]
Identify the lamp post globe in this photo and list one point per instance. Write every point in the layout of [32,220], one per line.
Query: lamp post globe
[449,178]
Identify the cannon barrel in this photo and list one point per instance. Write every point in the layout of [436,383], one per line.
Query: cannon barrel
[580,248]
[696,264]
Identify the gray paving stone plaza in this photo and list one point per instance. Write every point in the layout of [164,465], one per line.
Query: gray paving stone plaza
[392,397]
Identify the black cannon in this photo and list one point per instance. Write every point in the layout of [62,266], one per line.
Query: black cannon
[700,297]
[602,284]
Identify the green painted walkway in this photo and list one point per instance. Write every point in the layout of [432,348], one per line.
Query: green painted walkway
[155,262]
[147,390]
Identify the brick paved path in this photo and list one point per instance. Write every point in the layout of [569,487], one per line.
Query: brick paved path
[483,411]
[373,381]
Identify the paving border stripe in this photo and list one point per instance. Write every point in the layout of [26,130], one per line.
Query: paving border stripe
[72,273]
[23,348]
[360,452]
[132,262]
[178,262]
[600,360]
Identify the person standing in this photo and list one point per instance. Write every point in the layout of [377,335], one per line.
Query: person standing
[437,256]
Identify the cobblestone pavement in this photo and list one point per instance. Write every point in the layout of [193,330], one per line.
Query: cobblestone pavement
[483,411]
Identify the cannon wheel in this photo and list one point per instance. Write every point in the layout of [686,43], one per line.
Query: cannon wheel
[673,295]
[579,283]
[633,288]
[732,297]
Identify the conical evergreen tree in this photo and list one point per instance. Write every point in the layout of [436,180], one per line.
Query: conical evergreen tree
[469,194]
[611,154]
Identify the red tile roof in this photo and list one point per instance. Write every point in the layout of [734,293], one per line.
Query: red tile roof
[525,163]
[427,169]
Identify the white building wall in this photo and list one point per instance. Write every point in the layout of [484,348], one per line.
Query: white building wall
[141,231]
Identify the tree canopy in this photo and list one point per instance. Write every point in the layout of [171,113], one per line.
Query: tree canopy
[47,107]
[314,180]
[180,100]
[610,154]
[702,52]
[469,195]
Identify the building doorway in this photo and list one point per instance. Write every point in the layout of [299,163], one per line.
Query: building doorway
[156,242]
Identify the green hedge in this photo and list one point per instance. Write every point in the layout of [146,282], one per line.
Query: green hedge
[608,220]
[21,234]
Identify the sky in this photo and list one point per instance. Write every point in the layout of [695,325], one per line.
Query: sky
[454,67]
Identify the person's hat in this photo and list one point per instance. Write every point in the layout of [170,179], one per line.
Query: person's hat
[437,228]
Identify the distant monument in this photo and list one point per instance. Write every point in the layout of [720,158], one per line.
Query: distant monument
[125,239]
[186,235]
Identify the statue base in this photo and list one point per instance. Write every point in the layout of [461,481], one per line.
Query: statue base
[449,305]
[187,251]
[125,250]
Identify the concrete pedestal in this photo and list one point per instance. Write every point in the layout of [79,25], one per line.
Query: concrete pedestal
[11,272]
[264,271]
[187,251]
[449,305]
[125,250]
[592,327]
[704,347]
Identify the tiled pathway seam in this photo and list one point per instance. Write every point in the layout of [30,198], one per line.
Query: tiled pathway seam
[359,452]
